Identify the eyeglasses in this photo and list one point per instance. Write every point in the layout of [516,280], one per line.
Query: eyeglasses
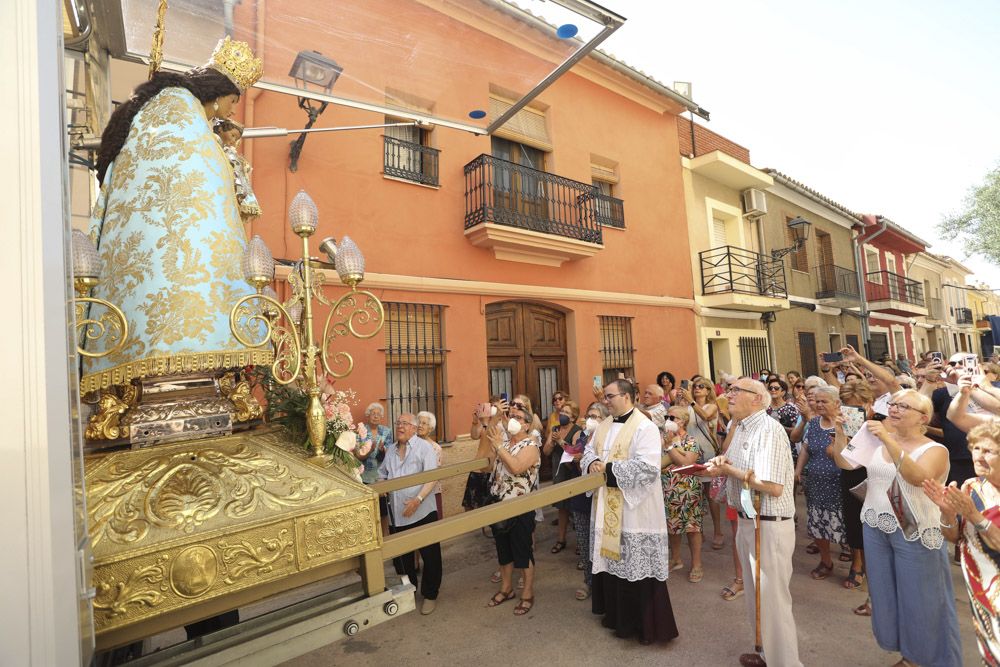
[400,422]
[734,390]
[902,407]
[800,386]
[608,397]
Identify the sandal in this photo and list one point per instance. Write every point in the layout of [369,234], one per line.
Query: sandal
[821,572]
[558,546]
[583,593]
[524,606]
[865,609]
[718,542]
[812,549]
[695,575]
[676,565]
[730,593]
[499,598]
[495,577]
[853,579]
[846,556]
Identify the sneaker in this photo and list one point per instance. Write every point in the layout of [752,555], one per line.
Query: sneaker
[428,607]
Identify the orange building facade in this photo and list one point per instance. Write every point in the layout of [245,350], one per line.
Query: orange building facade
[535,259]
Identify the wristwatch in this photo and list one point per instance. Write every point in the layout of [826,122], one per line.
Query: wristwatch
[673,446]
[983,525]
[420,498]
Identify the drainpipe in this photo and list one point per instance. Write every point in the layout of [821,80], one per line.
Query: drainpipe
[865,331]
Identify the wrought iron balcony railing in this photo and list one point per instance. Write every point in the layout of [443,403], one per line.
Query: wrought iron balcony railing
[834,281]
[410,161]
[886,285]
[505,193]
[610,211]
[732,269]
[963,316]
[935,309]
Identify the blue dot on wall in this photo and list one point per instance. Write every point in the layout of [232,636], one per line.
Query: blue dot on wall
[566,30]
[477,114]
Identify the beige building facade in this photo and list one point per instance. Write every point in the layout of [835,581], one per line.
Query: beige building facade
[735,284]
[821,275]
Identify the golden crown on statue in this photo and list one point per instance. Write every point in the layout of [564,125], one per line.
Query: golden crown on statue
[237,62]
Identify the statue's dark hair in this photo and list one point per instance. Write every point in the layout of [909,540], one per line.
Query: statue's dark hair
[205,83]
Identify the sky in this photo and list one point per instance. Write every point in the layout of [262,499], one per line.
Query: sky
[886,107]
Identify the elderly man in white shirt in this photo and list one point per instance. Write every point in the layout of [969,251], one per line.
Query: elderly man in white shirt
[759,460]
[413,506]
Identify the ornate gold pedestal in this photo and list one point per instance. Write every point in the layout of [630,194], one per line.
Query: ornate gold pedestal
[185,531]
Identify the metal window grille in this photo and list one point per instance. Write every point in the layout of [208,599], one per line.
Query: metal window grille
[414,361]
[617,353]
[754,354]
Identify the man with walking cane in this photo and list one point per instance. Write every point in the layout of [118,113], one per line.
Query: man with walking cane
[758,463]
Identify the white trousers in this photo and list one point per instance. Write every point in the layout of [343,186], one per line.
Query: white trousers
[777,542]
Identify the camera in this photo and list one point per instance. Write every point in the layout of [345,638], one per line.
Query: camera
[564,420]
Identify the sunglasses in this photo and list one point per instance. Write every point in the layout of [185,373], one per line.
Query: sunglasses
[672,418]
[519,406]
[774,388]
[800,386]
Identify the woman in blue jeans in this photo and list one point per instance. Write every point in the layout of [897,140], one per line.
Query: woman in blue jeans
[909,576]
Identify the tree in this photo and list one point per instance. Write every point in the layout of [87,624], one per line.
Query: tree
[978,225]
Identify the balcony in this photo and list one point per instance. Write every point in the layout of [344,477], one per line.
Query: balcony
[935,309]
[741,279]
[836,284]
[610,211]
[410,162]
[963,316]
[892,293]
[526,215]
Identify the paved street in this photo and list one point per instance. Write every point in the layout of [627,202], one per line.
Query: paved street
[562,631]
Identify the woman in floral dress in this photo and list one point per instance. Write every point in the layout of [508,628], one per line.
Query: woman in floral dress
[825,510]
[682,493]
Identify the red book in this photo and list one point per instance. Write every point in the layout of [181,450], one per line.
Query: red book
[693,469]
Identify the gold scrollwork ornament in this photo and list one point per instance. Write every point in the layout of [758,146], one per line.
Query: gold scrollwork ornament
[252,327]
[351,314]
[243,558]
[104,424]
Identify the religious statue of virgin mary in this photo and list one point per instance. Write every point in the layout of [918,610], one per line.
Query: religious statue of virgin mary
[168,227]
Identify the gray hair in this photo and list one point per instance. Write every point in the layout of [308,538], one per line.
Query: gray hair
[372,407]
[814,381]
[757,387]
[600,407]
[431,419]
[830,392]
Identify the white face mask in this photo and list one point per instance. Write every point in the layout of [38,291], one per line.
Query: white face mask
[590,425]
[513,426]
[670,426]
[493,411]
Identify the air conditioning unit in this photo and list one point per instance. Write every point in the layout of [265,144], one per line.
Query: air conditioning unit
[754,202]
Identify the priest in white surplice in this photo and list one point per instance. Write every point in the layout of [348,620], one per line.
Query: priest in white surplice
[628,522]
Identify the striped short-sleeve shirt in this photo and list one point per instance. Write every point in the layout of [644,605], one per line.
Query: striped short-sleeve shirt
[760,444]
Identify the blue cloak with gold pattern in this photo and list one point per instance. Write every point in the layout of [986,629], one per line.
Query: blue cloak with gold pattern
[169,233]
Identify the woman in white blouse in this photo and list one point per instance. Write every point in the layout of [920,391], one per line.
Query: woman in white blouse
[909,576]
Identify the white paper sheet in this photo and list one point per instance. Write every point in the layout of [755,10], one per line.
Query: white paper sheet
[862,447]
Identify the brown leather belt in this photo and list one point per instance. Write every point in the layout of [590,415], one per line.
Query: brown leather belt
[764,517]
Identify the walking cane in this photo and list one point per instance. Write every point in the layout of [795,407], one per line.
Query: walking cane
[758,643]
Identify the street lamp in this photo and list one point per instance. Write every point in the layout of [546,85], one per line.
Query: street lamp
[311,68]
[800,232]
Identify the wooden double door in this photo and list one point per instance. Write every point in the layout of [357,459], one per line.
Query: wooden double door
[526,352]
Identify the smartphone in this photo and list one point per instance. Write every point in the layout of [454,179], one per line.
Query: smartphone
[833,357]
[937,356]
[854,418]
[597,381]
[503,396]
[684,384]
[971,363]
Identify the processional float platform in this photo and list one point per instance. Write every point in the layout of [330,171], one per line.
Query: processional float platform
[185,531]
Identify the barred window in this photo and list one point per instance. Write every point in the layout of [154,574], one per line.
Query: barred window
[414,361]
[617,353]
